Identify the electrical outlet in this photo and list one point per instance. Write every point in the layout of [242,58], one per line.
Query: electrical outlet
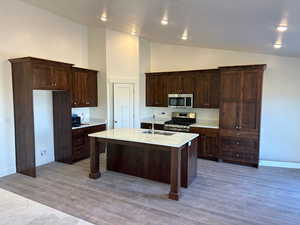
[43,153]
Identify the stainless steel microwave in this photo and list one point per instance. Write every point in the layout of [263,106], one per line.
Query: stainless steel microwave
[180,100]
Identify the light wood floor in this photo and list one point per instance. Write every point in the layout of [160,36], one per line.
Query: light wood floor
[222,194]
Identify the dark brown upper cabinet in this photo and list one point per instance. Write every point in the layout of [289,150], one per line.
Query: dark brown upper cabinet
[174,83]
[206,89]
[187,82]
[156,92]
[48,75]
[205,85]
[84,88]
[241,90]
[180,83]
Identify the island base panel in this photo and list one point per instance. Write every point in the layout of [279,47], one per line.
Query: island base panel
[150,163]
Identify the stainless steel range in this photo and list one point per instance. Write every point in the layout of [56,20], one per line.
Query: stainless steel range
[180,122]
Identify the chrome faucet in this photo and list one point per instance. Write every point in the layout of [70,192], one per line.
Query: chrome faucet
[153,121]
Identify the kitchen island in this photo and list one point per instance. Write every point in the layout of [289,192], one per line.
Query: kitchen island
[169,157]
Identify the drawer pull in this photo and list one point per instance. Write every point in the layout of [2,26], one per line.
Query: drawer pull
[237,142]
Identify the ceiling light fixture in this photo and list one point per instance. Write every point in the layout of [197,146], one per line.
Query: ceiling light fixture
[133,32]
[282,28]
[164,21]
[184,35]
[103,18]
[184,38]
[277,45]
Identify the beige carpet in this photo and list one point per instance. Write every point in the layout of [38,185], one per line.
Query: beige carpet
[17,210]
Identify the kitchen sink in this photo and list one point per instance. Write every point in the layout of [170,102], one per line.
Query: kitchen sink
[158,132]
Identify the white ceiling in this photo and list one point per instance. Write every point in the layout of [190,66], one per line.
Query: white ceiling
[247,25]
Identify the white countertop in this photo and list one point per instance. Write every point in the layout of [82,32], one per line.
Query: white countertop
[91,123]
[214,124]
[136,135]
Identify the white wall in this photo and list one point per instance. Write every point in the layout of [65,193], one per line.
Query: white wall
[29,31]
[97,61]
[144,63]
[280,136]
[122,65]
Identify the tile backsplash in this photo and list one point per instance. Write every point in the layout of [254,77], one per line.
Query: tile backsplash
[84,114]
[202,114]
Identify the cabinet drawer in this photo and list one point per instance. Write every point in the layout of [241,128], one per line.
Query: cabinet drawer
[79,152]
[210,132]
[239,149]
[235,155]
[78,141]
[95,129]
[242,144]
[238,134]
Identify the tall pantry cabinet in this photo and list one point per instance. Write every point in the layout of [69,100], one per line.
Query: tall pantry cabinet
[240,113]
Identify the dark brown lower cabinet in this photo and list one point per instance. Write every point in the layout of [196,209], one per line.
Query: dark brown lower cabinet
[239,150]
[208,146]
[80,141]
[149,126]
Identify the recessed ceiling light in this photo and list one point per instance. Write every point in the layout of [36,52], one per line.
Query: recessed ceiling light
[282,28]
[103,18]
[133,32]
[184,38]
[277,45]
[164,21]
[185,35]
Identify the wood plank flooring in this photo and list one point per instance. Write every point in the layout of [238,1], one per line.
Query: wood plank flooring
[222,194]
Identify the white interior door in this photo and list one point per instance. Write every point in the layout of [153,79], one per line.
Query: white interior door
[123,105]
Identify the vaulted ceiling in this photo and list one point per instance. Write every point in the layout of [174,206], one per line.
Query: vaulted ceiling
[246,25]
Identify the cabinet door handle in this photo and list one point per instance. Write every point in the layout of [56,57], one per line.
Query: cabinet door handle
[237,142]
[88,103]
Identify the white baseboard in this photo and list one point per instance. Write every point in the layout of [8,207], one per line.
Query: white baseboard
[293,165]
[7,171]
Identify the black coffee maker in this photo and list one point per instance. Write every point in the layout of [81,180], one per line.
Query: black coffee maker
[76,120]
